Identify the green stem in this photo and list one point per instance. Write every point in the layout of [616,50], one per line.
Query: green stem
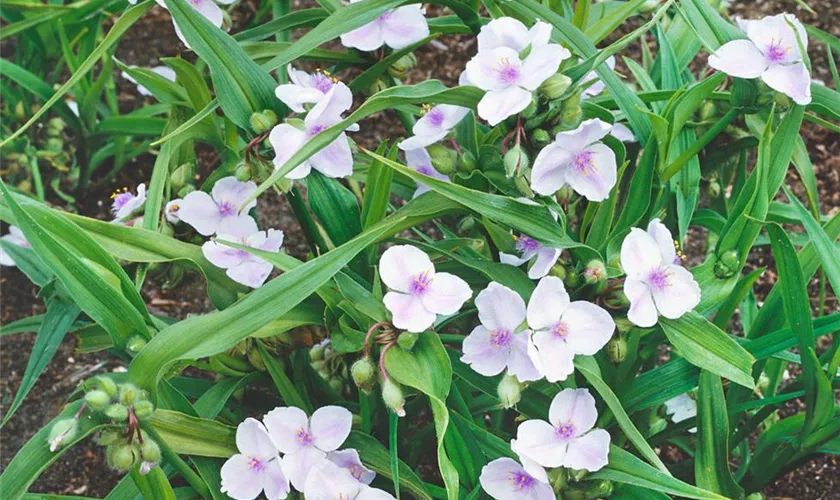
[448,338]
[36,176]
[698,145]
[182,467]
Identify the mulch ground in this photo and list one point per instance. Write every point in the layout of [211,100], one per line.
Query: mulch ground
[82,470]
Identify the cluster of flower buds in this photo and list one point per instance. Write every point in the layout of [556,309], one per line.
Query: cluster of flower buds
[329,365]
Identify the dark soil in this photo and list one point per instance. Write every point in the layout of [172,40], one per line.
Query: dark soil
[82,470]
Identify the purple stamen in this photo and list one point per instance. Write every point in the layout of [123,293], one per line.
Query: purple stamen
[775,53]
[256,464]
[226,208]
[500,338]
[321,82]
[317,129]
[566,431]
[436,117]
[521,480]
[425,170]
[560,329]
[304,437]
[659,279]
[195,3]
[121,200]
[420,283]
[527,244]
[508,72]
[584,162]
[386,16]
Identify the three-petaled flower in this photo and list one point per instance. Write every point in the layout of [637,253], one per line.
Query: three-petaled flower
[256,468]
[682,407]
[530,249]
[306,88]
[206,212]
[505,479]
[396,28]
[656,282]
[420,161]
[242,266]
[124,203]
[434,125]
[327,481]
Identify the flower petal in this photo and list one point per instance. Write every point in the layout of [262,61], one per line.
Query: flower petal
[399,265]
[349,459]
[589,452]
[286,141]
[541,64]
[408,312]
[367,38]
[328,481]
[793,81]
[513,260]
[231,191]
[549,171]
[335,160]
[500,308]
[200,211]
[209,10]
[503,32]
[573,406]
[252,439]
[680,296]
[250,273]
[483,69]
[446,294]
[222,255]
[556,359]
[588,132]
[662,236]
[330,426]
[329,109]
[596,181]
[497,479]
[739,58]
[482,356]
[274,481]
[537,440]
[496,105]
[295,96]
[239,480]
[547,303]
[642,310]
[520,364]
[639,254]
[540,33]
[283,424]
[374,494]
[404,26]
[546,258]
[622,132]
[777,31]
[590,327]
[300,464]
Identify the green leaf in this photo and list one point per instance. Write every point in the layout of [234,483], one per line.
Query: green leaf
[427,369]
[335,206]
[188,435]
[284,386]
[711,466]
[375,456]
[298,19]
[827,251]
[708,347]
[154,484]
[60,316]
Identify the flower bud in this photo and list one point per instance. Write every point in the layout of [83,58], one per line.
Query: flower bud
[516,160]
[728,264]
[143,409]
[595,272]
[755,496]
[108,437]
[617,349]
[123,456]
[20,110]
[336,384]
[54,144]
[135,343]
[403,65]
[558,270]
[242,172]
[98,400]
[117,412]
[444,159]
[107,385]
[262,121]
[392,396]
[707,111]
[713,188]
[744,95]
[150,451]
[406,340]
[363,372]
[657,424]
[466,224]
[62,432]
[509,391]
[521,184]
[319,366]
[181,176]
[184,191]
[540,138]
[556,86]
[316,352]
[378,86]
[467,162]
[128,394]
[599,489]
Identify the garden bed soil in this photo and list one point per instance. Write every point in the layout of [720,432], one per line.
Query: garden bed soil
[82,470]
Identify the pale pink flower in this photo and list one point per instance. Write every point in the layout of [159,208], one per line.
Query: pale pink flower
[349,459]
[307,88]
[530,249]
[420,161]
[396,28]
[682,407]
[124,203]
[328,481]
[256,468]
[206,212]
[209,9]
[15,237]
[242,266]
[505,479]
[434,125]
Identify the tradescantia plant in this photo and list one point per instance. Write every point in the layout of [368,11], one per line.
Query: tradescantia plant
[487,300]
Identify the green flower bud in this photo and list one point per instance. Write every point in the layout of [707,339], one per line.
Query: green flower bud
[98,400]
[363,372]
[108,437]
[107,385]
[150,451]
[181,176]
[54,144]
[56,123]
[755,496]
[521,184]
[262,122]
[392,396]
[744,95]
[617,349]
[707,111]
[444,159]
[599,489]
[558,271]
[595,272]
[143,409]
[649,6]
[564,194]
[406,340]
[577,475]
[728,264]
[556,86]
[516,160]
[466,224]
[713,188]
[571,118]
[509,391]
[184,191]
[174,276]
[128,394]
[316,352]
[117,412]
[242,172]
[540,138]
[20,110]
[378,86]
[319,366]
[135,343]
[468,162]
[124,456]
[657,424]
[336,384]
[403,65]
[62,432]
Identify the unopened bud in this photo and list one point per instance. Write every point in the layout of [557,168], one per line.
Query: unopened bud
[755,496]
[54,144]
[62,432]
[392,395]
[406,340]
[467,162]
[56,123]
[556,86]
[262,121]
[337,384]
[599,489]
[595,272]
[444,159]
[558,270]
[744,95]
[707,111]
[108,437]
[182,176]
[521,184]
[509,391]
[143,409]
[728,264]
[378,86]
[107,385]
[530,110]
[713,189]
[123,456]
[242,172]
[540,138]
[516,160]
[657,424]
[319,366]
[617,349]
[184,191]
[649,6]
[98,400]
[363,372]
[129,394]
[403,65]
[135,343]
[117,412]
[564,194]
[150,451]
[316,352]
[466,224]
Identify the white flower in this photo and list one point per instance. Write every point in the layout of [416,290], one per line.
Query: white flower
[125,203]
[499,70]
[328,481]
[530,248]
[171,210]
[15,237]
[434,126]
[418,293]
[597,87]
[164,71]
[496,344]
[622,132]
[577,158]
[256,468]
[206,212]
[568,438]
[420,161]
[305,88]
[682,407]
[335,160]
[770,52]
[656,282]
[349,459]
[396,28]
[242,266]
[207,8]
[306,441]
[563,329]
[505,479]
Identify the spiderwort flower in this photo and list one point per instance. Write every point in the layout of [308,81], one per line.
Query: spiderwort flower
[419,160]
[772,53]
[505,479]
[496,344]
[349,459]
[164,71]
[124,203]
[563,329]
[15,237]
[418,293]
[508,79]
[335,160]
[656,282]
[207,8]
[577,158]
[531,249]
[511,33]
[682,407]
[206,212]
[242,266]
[396,28]
[622,132]
[568,438]
[328,481]
[306,88]
[435,124]
[306,441]
[171,210]
[257,466]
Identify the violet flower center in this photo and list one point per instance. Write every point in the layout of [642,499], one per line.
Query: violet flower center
[384,17]
[659,279]
[356,471]
[508,71]
[584,162]
[527,244]
[520,480]
[425,170]
[256,464]
[500,338]
[304,437]
[121,200]
[227,208]
[560,329]
[436,117]
[321,82]
[775,53]
[195,3]
[566,431]
[317,129]
[420,283]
